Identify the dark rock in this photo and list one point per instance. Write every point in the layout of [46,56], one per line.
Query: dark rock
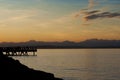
[13,70]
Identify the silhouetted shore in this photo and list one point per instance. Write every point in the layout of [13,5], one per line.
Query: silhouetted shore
[11,69]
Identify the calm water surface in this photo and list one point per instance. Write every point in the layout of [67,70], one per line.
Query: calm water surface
[77,64]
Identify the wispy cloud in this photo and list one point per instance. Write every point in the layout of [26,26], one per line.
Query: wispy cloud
[91,3]
[11,16]
[90,12]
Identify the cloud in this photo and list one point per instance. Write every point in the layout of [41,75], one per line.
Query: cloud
[85,12]
[77,14]
[91,12]
[12,16]
[102,15]
[91,3]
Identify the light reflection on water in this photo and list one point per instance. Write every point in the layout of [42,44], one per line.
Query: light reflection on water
[77,64]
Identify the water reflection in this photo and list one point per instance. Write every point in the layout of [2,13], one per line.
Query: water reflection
[77,64]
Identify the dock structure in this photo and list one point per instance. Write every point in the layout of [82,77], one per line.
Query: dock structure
[18,51]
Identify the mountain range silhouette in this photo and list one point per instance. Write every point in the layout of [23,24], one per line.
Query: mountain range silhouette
[91,43]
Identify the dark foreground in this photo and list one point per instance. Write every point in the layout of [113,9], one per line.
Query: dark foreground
[11,69]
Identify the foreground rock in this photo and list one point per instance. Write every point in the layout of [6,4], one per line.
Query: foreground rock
[11,69]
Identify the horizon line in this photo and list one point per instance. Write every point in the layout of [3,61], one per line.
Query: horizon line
[32,40]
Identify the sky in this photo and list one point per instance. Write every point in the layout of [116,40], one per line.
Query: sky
[59,20]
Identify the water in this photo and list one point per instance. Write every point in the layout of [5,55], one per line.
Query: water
[77,64]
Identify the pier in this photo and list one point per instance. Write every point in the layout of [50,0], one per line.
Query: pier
[18,51]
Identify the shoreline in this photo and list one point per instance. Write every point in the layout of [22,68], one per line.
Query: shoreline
[14,69]
[79,48]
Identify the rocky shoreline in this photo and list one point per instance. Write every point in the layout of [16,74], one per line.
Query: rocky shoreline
[11,69]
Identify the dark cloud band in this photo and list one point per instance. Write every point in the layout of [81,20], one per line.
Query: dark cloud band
[102,15]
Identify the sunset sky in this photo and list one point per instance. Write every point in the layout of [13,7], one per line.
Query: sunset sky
[59,20]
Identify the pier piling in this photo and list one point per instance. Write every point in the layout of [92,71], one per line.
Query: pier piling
[18,51]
